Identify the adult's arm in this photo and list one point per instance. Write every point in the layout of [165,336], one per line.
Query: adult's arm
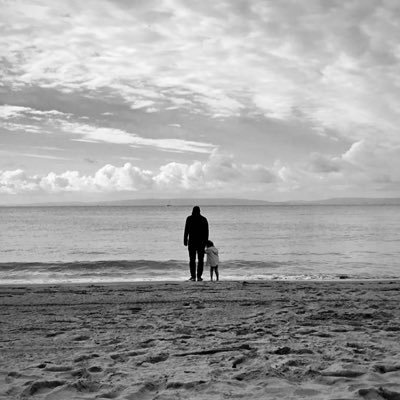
[186,233]
[206,233]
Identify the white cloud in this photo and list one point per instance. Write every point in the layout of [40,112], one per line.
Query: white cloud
[10,126]
[367,167]
[315,59]
[17,181]
[91,133]
[361,169]
[219,172]
[141,104]
[44,156]
[9,112]
[128,177]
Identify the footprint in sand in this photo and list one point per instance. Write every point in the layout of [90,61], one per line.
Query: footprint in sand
[85,357]
[58,368]
[41,386]
[81,338]
[380,393]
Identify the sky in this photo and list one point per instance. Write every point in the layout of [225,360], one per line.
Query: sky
[257,99]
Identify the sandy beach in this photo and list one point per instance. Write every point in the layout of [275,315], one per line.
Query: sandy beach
[188,340]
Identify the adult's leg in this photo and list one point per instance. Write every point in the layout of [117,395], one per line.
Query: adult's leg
[200,261]
[192,261]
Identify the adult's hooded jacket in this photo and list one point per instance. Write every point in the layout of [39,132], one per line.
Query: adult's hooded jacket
[196,229]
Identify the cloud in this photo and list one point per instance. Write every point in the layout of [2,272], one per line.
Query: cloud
[363,168]
[329,66]
[321,163]
[141,104]
[94,134]
[219,172]
[329,62]
[17,181]
[368,165]
[379,162]
[7,111]
[10,112]
[24,118]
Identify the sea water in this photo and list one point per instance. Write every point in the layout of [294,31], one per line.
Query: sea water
[110,244]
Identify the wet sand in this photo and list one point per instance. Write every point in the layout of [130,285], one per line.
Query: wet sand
[201,340]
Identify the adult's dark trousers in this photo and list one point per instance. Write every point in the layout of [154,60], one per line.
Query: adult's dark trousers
[196,250]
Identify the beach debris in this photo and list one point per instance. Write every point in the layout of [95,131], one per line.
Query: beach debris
[95,369]
[283,350]
[238,361]
[135,310]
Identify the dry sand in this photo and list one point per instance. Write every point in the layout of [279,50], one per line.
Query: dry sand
[188,340]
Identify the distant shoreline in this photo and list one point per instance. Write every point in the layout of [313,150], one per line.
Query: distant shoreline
[216,203]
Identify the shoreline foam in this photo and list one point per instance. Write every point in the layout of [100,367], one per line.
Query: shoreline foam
[105,271]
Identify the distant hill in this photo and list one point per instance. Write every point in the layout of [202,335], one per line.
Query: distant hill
[222,202]
[356,201]
[248,202]
[187,202]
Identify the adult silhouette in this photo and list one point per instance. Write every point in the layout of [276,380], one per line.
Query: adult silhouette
[195,237]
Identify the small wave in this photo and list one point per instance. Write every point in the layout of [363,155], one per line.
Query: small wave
[151,270]
[128,265]
[90,265]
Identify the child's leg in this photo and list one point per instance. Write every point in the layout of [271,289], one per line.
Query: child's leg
[211,273]
[216,273]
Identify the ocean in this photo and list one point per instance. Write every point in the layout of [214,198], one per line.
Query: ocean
[113,244]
